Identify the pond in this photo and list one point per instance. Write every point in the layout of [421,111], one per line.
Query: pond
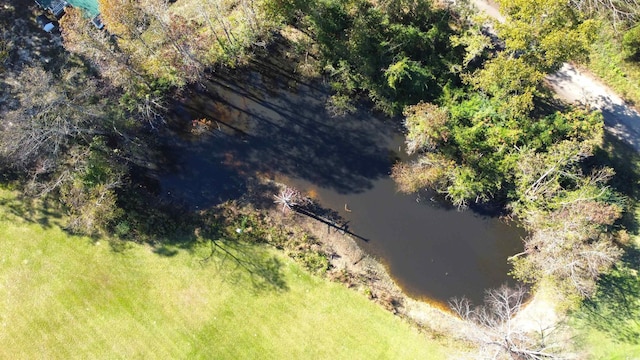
[267,123]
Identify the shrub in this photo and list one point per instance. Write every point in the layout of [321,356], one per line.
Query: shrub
[631,43]
[314,261]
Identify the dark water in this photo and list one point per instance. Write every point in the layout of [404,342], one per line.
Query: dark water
[270,125]
[432,252]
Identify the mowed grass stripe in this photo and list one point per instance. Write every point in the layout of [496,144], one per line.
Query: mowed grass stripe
[63,297]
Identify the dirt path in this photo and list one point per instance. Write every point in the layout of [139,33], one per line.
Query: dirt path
[576,86]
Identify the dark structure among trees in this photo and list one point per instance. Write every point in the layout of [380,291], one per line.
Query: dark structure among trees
[55,6]
[97,22]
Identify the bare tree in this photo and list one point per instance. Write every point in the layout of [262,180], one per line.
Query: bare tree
[617,10]
[99,47]
[498,334]
[570,246]
[571,219]
[51,112]
[291,199]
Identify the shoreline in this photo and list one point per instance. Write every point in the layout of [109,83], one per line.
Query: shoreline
[352,266]
[356,269]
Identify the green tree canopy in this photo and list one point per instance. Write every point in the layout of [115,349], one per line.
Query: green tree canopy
[484,144]
[397,52]
[545,33]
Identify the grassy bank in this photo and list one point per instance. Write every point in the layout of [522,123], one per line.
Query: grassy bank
[608,325]
[73,297]
[607,61]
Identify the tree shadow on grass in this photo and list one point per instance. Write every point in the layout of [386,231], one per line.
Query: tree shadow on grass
[236,259]
[625,160]
[165,251]
[170,226]
[37,211]
[240,261]
[615,308]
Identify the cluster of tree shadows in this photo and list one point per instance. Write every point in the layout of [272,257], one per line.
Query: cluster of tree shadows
[615,308]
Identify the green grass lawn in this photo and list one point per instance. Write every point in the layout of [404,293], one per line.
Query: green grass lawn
[71,297]
[608,325]
[602,345]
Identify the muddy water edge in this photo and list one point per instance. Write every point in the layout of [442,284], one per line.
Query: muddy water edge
[264,122]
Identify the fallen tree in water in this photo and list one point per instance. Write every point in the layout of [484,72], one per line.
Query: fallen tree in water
[292,200]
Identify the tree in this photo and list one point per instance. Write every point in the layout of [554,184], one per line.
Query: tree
[98,47]
[138,34]
[631,43]
[571,219]
[545,33]
[4,54]
[143,97]
[510,81]
[476,43]
[51,113]
[53,137]
[469,149]
[87,187]
[397,53]
[498,333]
[427,125]
[571,247]
[175,46]
[616,10]
[125,18]
[433,132]
[431,170]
